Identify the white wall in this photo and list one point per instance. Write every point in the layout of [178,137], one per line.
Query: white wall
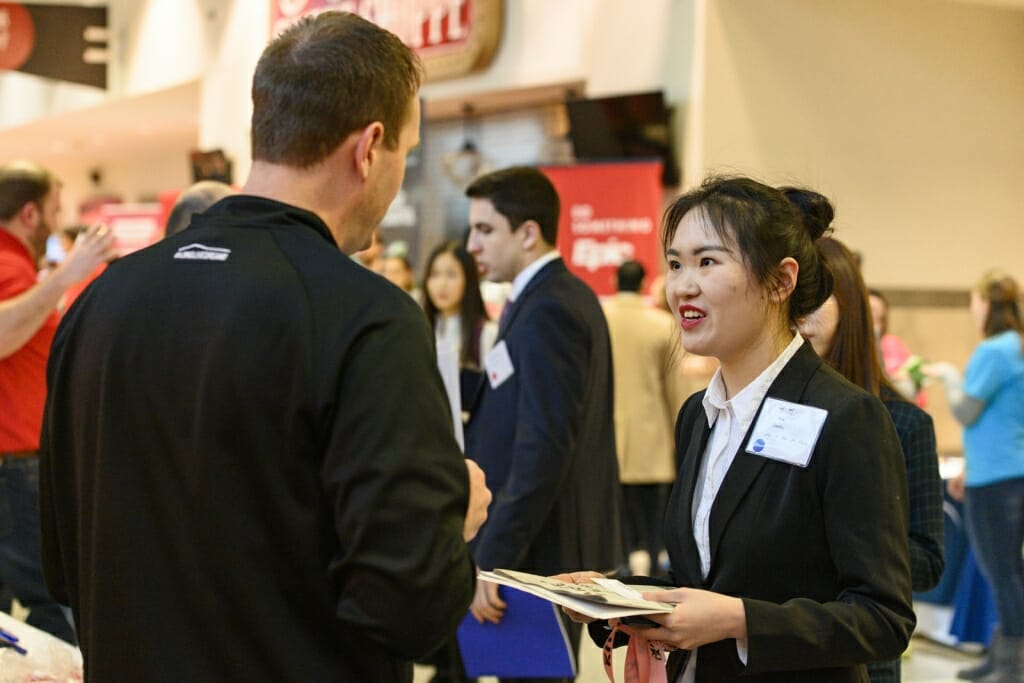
[909,114]
[614,46]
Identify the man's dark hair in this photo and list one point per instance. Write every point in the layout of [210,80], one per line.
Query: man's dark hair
[324,78]
[520,194]
[21,183]
[631,276]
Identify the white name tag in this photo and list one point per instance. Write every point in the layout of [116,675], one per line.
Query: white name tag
[786,431]
[498,365]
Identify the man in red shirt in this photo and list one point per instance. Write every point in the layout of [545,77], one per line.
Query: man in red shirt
[29,207]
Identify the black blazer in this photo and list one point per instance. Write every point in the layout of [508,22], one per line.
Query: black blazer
[818,554]
[546,437]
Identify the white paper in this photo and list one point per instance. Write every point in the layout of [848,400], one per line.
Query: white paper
[591,600]
[498,365]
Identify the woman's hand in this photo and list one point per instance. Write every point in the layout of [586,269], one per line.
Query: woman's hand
[700,617]
[578,577]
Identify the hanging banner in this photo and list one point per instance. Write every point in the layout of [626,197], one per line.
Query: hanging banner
[451,37]
[610,214]
[65,42]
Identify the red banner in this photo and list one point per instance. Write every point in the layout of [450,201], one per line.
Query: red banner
[421,24]
[610,214]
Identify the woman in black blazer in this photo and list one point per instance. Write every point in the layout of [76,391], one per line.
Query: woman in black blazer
[787,525]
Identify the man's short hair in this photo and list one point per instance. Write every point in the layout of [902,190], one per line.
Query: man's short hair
[195,199]
[22,182]
[520,194]
[630,276]
[324,78]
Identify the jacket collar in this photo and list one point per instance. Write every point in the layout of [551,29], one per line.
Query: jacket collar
[549,270]
[250,211]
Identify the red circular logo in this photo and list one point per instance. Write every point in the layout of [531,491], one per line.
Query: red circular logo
[17,35]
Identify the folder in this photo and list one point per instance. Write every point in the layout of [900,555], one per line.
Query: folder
[529,642]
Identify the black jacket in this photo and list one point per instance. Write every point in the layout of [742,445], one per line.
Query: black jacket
[248,467]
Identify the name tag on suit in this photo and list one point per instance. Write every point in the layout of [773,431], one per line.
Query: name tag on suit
[498,365]
[786,431]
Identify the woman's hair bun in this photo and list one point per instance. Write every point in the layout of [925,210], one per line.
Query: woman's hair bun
[814,207]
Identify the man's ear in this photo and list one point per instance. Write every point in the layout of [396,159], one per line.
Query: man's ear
[367,146]
[531,234]
[30,214]
[789,269]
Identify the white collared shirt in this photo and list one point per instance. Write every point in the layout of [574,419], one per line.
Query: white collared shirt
[448,333]
[729,420]
[527,273]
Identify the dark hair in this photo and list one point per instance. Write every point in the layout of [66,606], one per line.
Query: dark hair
[854,352]
[1003,296]
[520,194]
[630,275]
[22,183]
[196,199]
[324,78]
[471,308]
[877,293]
[766,227]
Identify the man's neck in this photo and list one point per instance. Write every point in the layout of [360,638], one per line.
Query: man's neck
[531,257]
[306,189]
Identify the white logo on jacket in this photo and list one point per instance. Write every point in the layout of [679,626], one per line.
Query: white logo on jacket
[201,252]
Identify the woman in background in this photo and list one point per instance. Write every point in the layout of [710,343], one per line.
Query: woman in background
[841,333]
[989,402]
[456,310]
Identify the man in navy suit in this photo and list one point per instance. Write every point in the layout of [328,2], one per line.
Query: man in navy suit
[542,425]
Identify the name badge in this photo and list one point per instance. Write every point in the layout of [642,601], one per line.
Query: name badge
[786,431]
[498,365]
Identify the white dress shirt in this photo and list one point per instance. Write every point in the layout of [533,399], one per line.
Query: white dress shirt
[527,273]
[729,420]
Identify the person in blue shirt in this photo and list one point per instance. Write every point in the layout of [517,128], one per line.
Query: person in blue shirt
[989,402]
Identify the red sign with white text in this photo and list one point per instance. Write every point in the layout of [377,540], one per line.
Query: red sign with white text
[610,214]
[452,37]
[421,24]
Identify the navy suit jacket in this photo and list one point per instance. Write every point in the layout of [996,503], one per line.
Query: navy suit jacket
[545,437]
[819,554]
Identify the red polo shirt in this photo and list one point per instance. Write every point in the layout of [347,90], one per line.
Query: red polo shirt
[23,373]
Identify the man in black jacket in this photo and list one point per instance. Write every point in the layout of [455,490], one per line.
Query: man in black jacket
[249,468]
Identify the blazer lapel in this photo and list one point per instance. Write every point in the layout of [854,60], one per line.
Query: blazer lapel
[535,283]
[788,386]
[688,473]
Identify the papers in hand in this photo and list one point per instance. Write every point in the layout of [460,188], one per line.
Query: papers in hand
[604,599]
